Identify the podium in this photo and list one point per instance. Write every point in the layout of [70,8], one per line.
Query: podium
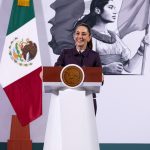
[71,121]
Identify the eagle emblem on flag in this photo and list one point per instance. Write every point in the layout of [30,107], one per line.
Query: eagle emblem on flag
[22,51]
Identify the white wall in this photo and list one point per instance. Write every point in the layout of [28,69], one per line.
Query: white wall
[123,104]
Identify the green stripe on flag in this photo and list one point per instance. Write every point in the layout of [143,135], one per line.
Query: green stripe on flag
[19,16]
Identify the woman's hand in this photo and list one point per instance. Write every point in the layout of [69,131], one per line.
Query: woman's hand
[113,68]
[41,74]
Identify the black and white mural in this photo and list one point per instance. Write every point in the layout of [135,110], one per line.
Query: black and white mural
[116,56]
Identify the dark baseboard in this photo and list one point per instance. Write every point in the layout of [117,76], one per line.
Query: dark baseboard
[35,146]
[106,146]
[124,146]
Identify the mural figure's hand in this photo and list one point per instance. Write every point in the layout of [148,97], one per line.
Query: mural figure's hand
[144,42]
[113,68]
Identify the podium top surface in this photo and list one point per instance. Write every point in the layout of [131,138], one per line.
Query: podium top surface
[92,74]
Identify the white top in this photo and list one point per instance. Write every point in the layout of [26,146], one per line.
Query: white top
[116,48]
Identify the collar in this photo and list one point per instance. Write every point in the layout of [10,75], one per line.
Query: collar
[80,51]
[103,37]
[84,53]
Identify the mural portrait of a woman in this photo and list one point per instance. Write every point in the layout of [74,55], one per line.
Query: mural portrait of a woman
[115,55]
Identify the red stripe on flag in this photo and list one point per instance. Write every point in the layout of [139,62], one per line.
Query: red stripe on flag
[25,96]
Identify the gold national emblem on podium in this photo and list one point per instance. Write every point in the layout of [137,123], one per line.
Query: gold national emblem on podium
[72,76]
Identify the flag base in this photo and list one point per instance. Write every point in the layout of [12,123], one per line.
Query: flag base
[19,136]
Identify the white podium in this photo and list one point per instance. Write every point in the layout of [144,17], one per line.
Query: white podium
[71,121]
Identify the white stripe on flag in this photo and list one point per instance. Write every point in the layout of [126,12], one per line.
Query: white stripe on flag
[19,71]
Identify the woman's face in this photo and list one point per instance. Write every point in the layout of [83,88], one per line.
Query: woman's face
[81,37]
[109,14]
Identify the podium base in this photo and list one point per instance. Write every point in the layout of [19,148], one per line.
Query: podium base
[71,122]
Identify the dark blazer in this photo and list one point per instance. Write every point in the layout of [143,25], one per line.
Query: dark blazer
[88,58]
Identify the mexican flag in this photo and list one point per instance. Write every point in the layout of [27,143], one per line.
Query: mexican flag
[20,64]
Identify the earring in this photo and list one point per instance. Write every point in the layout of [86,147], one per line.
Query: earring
[97,11]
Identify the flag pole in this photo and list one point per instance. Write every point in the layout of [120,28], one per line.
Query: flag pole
[147,32]
[145,51]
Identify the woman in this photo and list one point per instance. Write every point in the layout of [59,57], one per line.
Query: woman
[82,54]
[115,56]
